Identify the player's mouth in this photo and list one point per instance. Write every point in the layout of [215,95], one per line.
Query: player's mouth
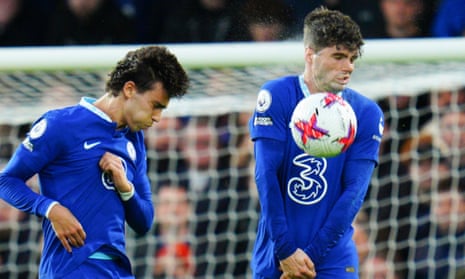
[343,80]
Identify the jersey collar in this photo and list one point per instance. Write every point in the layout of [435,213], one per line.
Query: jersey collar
[87,102]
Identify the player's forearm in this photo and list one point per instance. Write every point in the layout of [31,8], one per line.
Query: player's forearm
[15,192]
[272,211]
[268,158]
[343,213]
[139,213]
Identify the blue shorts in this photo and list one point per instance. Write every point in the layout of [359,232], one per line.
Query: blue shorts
[101,269]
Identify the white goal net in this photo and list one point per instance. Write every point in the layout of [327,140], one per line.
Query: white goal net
[200,160]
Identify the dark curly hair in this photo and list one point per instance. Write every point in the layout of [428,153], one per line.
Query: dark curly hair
[326,28]
[146,66]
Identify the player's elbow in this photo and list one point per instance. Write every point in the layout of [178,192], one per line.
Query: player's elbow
[143,225]
[141,230]
[5,183]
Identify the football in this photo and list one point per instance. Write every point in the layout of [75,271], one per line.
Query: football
[323,125]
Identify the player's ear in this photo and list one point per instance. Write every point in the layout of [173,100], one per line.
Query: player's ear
[309,54]
[129,89]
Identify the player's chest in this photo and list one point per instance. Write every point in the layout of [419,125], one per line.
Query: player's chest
[93,147]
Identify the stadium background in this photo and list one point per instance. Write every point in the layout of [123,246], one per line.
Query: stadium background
[214,115]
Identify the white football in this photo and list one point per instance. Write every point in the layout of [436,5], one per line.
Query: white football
[323,125]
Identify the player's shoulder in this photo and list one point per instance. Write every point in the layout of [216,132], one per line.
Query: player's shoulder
[280,93]
[280,88]
[64,114]
[368,110]
[56,119]
[360,102]
[288,81]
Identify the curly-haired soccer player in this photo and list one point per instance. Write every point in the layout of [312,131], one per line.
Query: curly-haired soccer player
[308,203]
[91,162]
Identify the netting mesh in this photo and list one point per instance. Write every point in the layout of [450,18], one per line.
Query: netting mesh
[413,217]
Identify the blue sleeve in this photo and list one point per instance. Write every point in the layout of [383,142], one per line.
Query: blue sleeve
[17,193]
[40,146]
[139,209]
[356,178]
[269,154]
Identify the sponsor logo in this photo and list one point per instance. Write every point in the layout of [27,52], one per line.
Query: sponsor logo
[88,146]
[28,145]
[350,269]
[262,121]
[311,185]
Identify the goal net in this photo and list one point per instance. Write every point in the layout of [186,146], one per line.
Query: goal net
[201,167]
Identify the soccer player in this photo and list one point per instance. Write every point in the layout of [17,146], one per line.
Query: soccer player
[91,162]
[304,230]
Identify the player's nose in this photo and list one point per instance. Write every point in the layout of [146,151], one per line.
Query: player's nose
[156,115]
[348,66]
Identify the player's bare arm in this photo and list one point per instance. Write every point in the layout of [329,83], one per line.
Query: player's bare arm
[111,164]
[298,266]
[67,228]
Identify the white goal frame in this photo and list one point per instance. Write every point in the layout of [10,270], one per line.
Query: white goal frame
[226,54]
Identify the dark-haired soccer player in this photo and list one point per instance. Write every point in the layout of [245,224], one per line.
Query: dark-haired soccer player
[91,163]
[308,203]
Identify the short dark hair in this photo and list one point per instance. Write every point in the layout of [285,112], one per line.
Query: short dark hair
[326,28]
[146,66]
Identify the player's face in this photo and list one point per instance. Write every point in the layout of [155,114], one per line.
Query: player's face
[330,68]
[144,108]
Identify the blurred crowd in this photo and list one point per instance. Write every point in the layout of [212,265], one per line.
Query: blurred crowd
[413,221]
[95,22]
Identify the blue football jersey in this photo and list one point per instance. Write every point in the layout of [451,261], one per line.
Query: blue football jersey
[64,147]
[309,186]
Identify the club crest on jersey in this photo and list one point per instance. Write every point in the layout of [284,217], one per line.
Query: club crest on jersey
[107,180]
[131,151]
[311,185]
[263,100]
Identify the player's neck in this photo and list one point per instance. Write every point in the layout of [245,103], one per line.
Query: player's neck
[110,105]
[309,83]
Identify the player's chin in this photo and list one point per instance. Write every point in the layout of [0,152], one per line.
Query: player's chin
[137,128]
[337,87]
[142,126]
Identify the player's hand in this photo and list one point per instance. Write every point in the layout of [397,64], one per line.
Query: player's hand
[297,266]
[112,164]
[67,228]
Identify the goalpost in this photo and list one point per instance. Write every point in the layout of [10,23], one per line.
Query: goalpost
[407,77]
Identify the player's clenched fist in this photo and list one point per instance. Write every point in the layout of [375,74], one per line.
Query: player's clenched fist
[112,164]
[67,228]
[297,266]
